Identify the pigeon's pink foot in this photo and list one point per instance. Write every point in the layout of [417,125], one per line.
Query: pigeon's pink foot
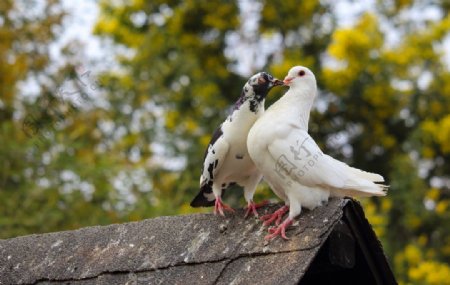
[219,207]
[251,208]
[275,216]
[280,230]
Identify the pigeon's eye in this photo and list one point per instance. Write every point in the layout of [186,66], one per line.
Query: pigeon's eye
[301,73]
[261,80]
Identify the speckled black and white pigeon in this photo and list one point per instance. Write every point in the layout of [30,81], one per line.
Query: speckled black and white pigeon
[226,159]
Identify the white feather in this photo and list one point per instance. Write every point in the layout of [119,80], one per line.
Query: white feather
[291,161]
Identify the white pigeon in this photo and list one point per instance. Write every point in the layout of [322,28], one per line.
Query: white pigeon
[293,164]
[226,159]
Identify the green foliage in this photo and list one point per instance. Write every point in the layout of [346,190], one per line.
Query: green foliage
[56,168]
[385,108]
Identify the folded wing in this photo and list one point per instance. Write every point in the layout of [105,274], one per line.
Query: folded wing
[298,158]
[214,157]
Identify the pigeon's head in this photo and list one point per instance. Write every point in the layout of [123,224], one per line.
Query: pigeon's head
[300,76]
[261,83]
[256,90]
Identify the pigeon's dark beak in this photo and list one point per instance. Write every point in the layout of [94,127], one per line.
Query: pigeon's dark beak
[277,82]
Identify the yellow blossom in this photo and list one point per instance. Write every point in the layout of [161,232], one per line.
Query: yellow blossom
[442,207]
[431,273]
[433,194]
[413,254]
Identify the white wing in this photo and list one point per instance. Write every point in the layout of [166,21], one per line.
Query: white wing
[299,158]
[214,158]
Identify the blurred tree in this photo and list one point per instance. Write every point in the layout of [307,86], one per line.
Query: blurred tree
[178,71]
[395,93]
[54,172]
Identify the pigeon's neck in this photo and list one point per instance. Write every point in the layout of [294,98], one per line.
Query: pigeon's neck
[297,103]
[249,101]
[247,112]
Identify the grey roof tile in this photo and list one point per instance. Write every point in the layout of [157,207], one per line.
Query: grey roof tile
[189,249]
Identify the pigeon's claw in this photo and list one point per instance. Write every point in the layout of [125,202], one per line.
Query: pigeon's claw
[219,207]
[275,216]
[251,208]
[279,230]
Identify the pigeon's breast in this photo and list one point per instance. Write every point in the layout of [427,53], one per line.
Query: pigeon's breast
[259,135]
[238,165]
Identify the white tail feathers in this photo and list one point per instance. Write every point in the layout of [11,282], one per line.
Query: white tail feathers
[357,183]
[360,173]
[360,192]
[367,175]
[360,186]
